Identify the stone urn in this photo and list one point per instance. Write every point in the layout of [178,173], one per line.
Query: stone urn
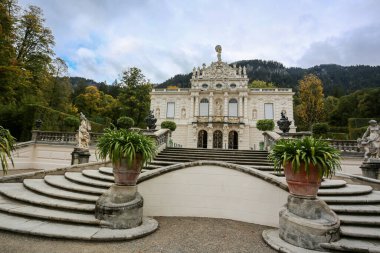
[302,184]
[127,174]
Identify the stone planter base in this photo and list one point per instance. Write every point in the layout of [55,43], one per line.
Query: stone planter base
[371,168]
[79,156]
[121,207]
[307,223]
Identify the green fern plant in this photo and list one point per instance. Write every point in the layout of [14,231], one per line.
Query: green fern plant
[306,151]
[7,146]
[120,144]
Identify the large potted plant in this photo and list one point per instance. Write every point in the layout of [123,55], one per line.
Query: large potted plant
[128,151]
[7,145]
[305,162]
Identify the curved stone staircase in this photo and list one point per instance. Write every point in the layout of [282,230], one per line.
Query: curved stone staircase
[63,206]
[56,205]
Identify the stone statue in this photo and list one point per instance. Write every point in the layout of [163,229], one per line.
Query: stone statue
[370,140]
[183,113]
[83,132]
[218,108]
[218,50]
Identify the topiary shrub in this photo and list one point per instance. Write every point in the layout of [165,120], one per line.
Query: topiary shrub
[71,122]
[320,129]
[265,125]
[169,125]
[125,122]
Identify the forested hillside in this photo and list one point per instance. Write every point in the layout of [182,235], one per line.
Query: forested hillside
[337,80]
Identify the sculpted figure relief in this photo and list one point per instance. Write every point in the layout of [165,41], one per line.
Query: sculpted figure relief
[371,140]
[83,132]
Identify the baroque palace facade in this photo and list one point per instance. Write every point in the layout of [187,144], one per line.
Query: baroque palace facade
[219,110]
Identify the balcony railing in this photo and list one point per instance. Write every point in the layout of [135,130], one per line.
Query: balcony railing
[219,119]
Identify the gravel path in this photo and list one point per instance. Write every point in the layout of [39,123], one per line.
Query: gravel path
[175,235]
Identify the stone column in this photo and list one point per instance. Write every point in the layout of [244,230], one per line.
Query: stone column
[240,112]
[211,104]
[225,111]
[246,108]
[196,107]
[191,111]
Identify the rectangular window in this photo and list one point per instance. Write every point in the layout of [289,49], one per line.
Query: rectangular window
[268,111]
[170,110]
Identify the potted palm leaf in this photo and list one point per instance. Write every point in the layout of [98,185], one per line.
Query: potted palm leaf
[128,150]
[7,145]
[305,162]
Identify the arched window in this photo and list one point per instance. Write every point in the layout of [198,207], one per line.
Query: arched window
[233,108]
[219,86]
[205,86]
[203,107]
[232,86]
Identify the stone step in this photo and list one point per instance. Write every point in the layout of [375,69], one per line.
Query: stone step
[71,231]
[372,198]
[263,168]
[367,220]
[192,155]
[152,167]
[332,183]
[349,189]
[10,206]
[251,163]
[353,245]
[79,178]
[215,150]
[18,192]
[356,209]
[360,231]
[64,183]
[106,170]
[95,174]
[40,186]
[162,163]
[224,158]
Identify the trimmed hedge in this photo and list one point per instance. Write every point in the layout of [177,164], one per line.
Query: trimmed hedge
[337,136]
[125,122]
[52,121]
[357,126]
[265,125]
[169,124]
[335,129]
[319,129]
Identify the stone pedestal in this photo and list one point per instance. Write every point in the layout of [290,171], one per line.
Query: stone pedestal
[121,206]
[79,156]
[371,168]
[306,223]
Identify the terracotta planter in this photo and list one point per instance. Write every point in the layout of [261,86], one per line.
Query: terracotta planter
[300,183]
[127,175]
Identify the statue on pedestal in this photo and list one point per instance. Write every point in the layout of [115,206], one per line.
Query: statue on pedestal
[218,50]
[83,132]
[370,140]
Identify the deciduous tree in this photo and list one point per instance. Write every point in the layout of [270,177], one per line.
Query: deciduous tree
[311,107]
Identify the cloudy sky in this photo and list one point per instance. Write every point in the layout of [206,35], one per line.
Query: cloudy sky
[100,38]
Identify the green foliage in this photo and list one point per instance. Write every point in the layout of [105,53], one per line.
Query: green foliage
[335,129]
[261,84]
[306,151]
[125,122]
[355,133]
[265,125]
[357,126]
[7,146]
[134,96]
[118,144]
[171,125]
[52,121]
[337,136]
[72,122]
[320,129]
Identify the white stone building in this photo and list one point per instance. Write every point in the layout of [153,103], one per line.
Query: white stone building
[219,110]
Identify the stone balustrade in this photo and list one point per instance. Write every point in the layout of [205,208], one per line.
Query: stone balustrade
[69,138]
[346,146]
[219,119]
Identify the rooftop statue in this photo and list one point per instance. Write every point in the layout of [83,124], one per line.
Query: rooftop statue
[218,49]
[370,140]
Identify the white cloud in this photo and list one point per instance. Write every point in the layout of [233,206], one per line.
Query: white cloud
[164,38]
